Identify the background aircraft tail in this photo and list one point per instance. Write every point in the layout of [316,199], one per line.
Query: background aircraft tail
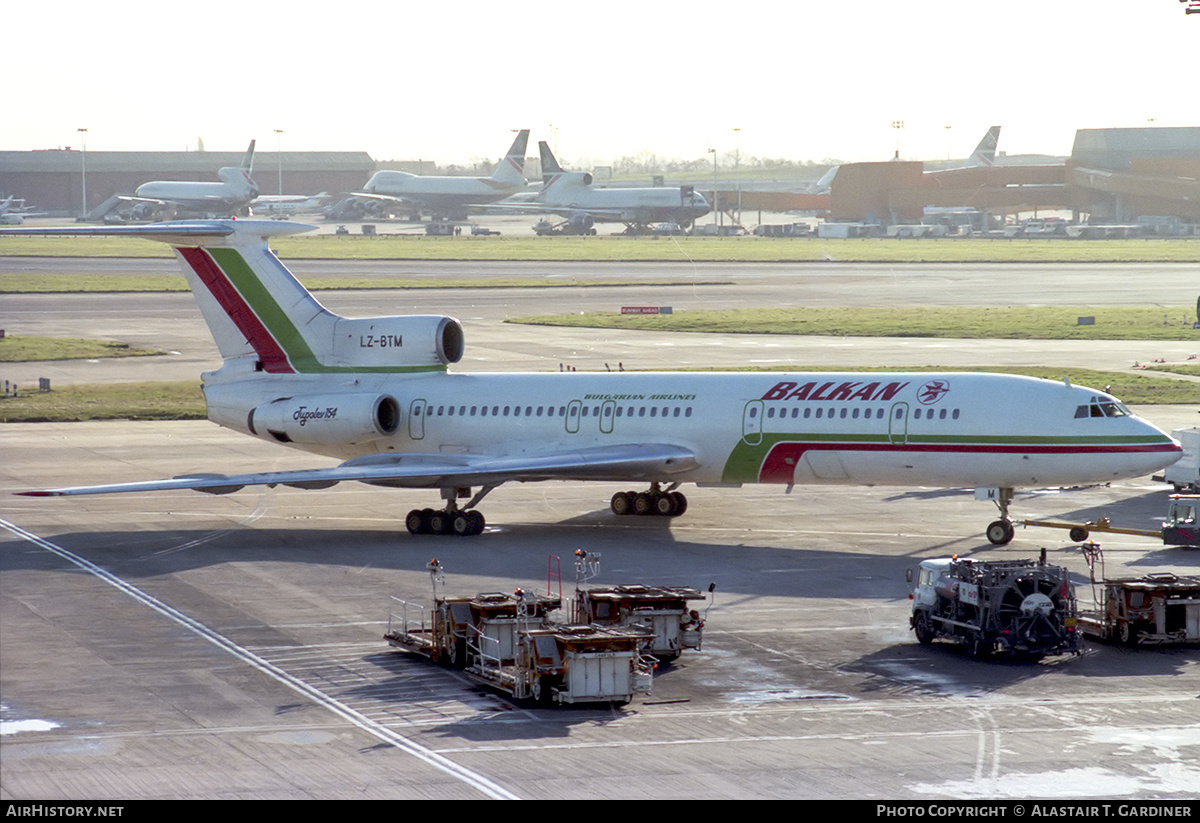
[549,163]
[240,176]
[985,152]
[511,170]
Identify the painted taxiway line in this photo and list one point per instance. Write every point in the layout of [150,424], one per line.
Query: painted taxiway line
[471,778]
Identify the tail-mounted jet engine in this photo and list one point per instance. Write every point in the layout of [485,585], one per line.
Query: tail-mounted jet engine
[414,340]
[580,224]
[328,419]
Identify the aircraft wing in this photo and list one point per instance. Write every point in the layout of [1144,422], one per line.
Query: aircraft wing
[387,198]
[546,208]
[619,463]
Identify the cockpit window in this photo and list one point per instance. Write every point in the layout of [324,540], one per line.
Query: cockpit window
[1102,407]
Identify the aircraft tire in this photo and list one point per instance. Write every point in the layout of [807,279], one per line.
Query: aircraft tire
[663,505]
[681,503]
[439,522]
[461,524]
[643,504]
[417,522]
[1000,532]
[621,504]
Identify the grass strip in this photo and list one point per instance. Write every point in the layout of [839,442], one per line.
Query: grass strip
[1024,323]
[67,283]
[680,249]
[24,349]
[107,401]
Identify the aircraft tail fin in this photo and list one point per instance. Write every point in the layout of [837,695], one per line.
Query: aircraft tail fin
[260,315]
[241,175]
[549,163]
[985,152]
[512,168]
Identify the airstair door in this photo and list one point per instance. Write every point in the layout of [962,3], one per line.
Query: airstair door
[416,420]
[752,423]
[574,410]
[607,412]
[898,424]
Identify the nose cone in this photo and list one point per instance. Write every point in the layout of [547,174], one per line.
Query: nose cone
[1160,450]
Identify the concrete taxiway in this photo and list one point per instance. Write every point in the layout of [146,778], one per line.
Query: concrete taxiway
[172,646]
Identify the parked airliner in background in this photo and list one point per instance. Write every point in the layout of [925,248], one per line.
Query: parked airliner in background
[276,205]
[169,198]
[13,211]
[376,393]
[448,196]
[984,155]
[571,195]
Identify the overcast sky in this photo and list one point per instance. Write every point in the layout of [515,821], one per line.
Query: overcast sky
[796,79]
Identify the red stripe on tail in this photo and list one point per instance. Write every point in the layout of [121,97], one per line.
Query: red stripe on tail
[274,359]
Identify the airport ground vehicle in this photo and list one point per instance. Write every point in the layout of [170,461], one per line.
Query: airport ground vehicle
[578,224]
[508,642]
[1018,607]
[1184,474]
[1159,609]
[1181,527]
[785,230]
[1155,609]
[661,609]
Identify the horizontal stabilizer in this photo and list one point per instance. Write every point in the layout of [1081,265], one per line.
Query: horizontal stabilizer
[174,231]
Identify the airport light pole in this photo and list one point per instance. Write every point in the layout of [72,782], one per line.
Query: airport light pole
[737,161]
[947,128]
[83,171]
[716,211]
[279,156]
[897,125]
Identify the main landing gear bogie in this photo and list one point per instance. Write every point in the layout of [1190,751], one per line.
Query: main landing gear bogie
[441,521]
[653,503]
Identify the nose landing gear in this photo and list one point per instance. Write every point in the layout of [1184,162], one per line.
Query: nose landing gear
[1000,532]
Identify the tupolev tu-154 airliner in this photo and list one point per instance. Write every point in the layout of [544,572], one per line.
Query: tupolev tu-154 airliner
[377,394]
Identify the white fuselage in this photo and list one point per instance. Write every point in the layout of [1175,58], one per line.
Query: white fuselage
[234,192]
[440,193]
[913,429]
[566,193]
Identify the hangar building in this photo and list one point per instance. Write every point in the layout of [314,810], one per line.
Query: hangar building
[52,180]
[1112,175]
